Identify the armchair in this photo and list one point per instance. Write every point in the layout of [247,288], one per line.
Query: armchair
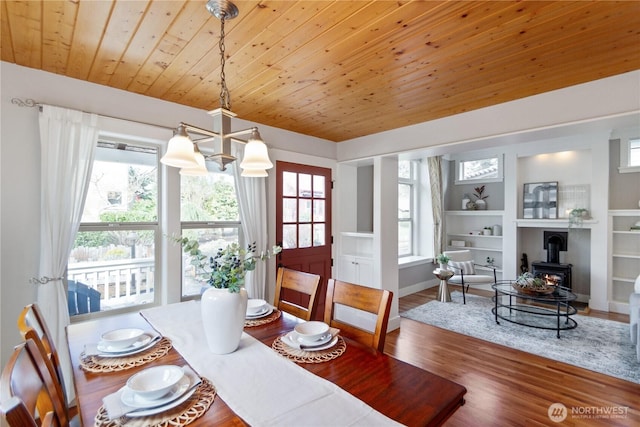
[634,316]
[461,263]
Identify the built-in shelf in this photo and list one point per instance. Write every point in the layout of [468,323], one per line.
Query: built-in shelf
[484,236]
[624,256]
[553,223]
[475,213]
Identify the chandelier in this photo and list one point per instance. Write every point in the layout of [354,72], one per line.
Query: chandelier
[183,151]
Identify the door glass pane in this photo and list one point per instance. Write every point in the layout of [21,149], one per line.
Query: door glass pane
[305,185]
[289,236]
[305,236]
[318,234]
[318,211]
[318,186]
[289,185]
[289,210]
[305,210]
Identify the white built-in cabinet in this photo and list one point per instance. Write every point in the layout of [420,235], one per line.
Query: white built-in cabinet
[468,228]
[355,262]
[624,257]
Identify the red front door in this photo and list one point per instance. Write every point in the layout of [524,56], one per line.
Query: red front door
[303,222]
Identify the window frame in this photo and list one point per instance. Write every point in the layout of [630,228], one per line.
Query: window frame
[626,137]
[154,226]
[414,206]
[464,159]
[199,225]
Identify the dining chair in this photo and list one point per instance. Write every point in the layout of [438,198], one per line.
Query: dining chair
[32,325]
[304,286]
[376,302]
[29,392]
[462,264]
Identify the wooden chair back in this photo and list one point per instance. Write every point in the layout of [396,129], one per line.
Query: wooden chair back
[29,391]
[306,287]
[32,325]
[374,301]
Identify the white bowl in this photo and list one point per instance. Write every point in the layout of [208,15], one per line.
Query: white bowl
[155,382]
[255,306]
[312,330]
[121,338]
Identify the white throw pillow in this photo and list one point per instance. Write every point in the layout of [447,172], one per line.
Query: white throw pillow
[465,266]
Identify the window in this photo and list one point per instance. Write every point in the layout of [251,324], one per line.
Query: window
[112,263]
[407,206]
[479,170]
[629,153]
[208,213]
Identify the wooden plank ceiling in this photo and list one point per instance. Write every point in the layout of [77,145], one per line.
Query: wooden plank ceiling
[331,69]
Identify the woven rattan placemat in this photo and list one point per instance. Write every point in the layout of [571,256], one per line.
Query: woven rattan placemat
[96,363]
[275,315]
[181,415]
[304,356]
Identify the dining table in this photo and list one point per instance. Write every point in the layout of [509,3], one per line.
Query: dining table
[395,389]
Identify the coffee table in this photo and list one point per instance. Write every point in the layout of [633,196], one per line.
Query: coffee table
[542,311]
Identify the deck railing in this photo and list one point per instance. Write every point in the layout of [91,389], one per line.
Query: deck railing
[120,282]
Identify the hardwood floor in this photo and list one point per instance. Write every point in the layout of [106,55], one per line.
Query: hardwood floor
[507,387]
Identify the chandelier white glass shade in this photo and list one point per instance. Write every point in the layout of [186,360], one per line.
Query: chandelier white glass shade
[184,152]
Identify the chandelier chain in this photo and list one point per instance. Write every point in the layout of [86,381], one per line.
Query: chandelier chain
[225,98]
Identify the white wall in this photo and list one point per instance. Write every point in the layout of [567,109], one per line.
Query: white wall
[20,170]
[611,102]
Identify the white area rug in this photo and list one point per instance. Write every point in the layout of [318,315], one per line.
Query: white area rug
[596,344]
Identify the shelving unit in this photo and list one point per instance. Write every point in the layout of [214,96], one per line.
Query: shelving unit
[355,261]
[465,225]
[624,256]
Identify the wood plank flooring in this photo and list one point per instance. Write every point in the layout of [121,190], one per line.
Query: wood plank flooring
[507,387]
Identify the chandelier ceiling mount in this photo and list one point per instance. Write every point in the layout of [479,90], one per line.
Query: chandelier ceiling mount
[184,152]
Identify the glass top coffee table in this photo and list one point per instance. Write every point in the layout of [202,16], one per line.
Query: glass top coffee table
[542,311]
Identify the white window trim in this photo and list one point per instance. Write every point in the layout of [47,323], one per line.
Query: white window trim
[626,135]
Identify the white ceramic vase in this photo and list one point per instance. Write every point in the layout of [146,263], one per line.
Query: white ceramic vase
[481,205]
[223,315]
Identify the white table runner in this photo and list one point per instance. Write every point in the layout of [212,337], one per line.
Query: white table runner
[259,385]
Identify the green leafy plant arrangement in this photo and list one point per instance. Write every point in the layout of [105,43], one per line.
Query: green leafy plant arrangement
[442,259]
[228,267]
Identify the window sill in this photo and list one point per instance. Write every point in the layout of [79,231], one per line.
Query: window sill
[629,169]
[411,261]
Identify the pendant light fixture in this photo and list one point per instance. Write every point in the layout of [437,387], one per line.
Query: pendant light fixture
[183,151]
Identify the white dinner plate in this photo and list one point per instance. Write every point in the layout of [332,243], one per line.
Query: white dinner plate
[291,340]
[323,340]
[265,312]
[157,410]
[131,398]
[141,342]
[150,341]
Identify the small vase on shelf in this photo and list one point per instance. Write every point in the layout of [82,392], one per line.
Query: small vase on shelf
[481,205]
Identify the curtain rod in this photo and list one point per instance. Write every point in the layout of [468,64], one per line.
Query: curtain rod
[32,103]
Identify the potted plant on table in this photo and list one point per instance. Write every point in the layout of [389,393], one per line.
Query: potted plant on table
[224,303]
[443,260]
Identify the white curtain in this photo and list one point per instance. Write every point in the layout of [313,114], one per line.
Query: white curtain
[435,180]
[252,200]
[67,143]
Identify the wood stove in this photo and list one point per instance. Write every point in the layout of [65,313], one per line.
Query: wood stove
[553,271]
